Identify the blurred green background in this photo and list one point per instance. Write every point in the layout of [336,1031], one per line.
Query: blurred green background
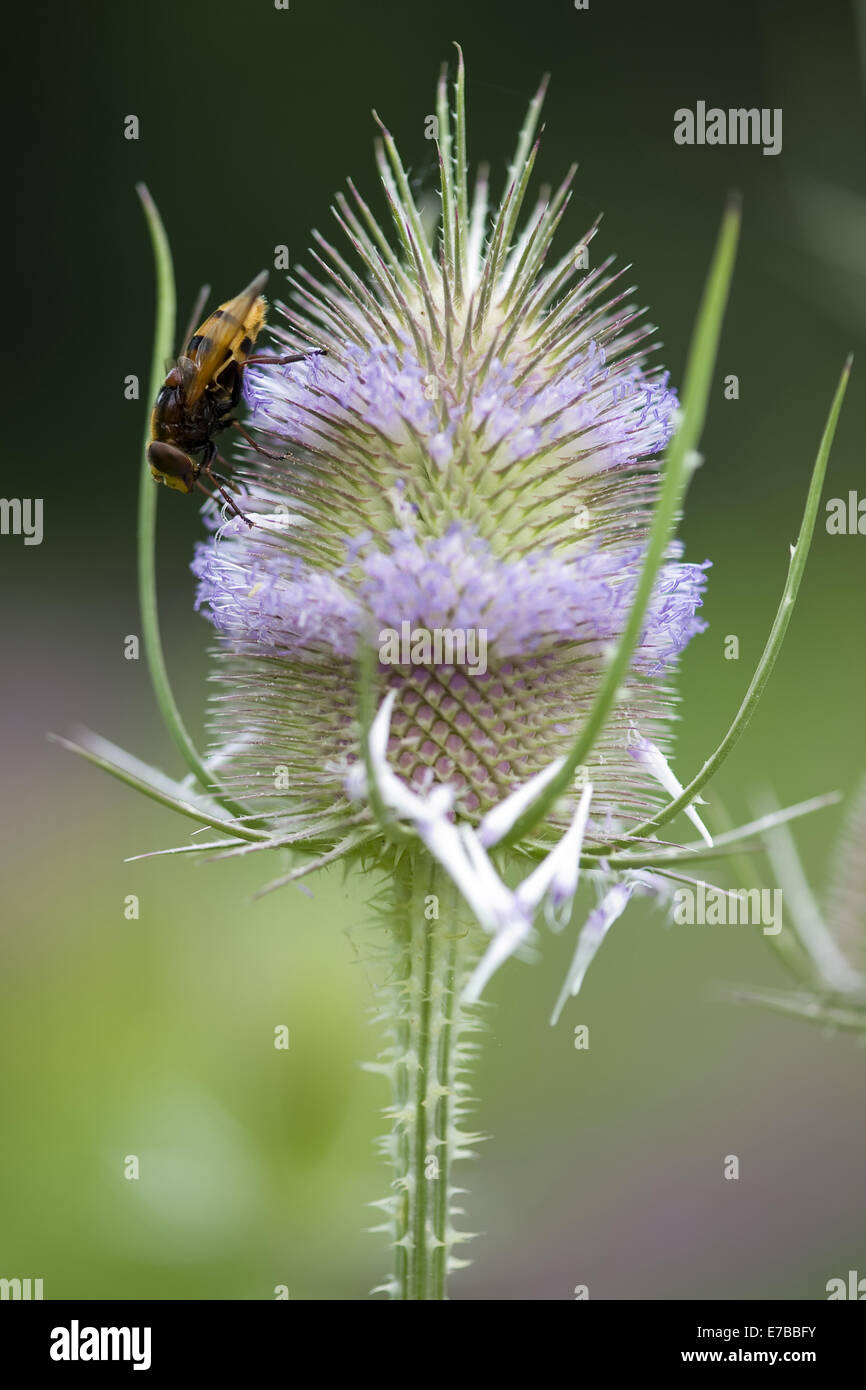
[155,1037]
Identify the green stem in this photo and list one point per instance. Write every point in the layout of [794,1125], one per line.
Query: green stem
[444,1108]
[433,949]
[163,347]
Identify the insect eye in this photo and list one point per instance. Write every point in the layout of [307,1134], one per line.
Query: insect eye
[165,458]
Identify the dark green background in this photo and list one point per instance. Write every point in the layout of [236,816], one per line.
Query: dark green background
[154,1037]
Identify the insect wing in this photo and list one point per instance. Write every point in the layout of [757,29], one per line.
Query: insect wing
[229,332]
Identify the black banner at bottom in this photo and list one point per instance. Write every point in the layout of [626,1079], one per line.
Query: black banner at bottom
[152,1338]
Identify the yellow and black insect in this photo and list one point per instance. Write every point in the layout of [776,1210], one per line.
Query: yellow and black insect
[202,389]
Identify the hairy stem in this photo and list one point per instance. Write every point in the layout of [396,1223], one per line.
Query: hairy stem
[432,948]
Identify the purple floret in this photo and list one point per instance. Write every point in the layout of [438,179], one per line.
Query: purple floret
[258,594]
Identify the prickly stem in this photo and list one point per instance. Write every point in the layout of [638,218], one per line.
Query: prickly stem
[432,949]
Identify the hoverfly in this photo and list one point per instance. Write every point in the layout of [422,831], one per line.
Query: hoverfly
[202,389]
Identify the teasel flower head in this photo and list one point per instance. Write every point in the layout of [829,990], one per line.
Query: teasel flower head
[474,454]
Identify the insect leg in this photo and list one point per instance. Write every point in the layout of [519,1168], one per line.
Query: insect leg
[292,357]
[266,453]
[226,496]
[219,477]
[206,490]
